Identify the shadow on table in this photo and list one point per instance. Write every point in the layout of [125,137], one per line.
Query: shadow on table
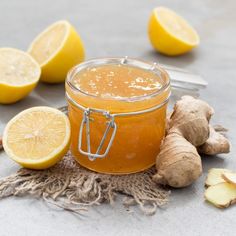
[51,93]
[8,111]
[195,191]
[179,61]
[209,162]
[43,95]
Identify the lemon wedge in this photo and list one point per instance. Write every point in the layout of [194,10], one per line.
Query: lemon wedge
[38,137]
[169,33]
[57,49]
[19,74]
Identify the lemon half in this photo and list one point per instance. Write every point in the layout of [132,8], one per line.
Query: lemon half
[169,33]
[19,74]
[57,49]
[38,137]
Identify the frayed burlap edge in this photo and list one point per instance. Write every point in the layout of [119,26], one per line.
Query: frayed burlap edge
[72,187]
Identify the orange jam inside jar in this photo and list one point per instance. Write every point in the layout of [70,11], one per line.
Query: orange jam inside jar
[117,110]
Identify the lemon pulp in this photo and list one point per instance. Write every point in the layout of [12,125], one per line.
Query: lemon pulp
[19,74]
[169,33]
[37,137]
[177,26]
[49,42]
[16,68]
[57,49]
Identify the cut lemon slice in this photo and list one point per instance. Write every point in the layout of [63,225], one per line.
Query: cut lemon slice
[38,137]
[57,49]
[169,33]
[19,74]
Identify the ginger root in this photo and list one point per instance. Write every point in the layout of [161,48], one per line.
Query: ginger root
[216,143]
[178,163]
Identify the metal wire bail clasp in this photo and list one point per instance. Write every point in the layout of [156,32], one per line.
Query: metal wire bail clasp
[110,124]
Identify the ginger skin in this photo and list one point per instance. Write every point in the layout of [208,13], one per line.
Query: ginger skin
[178,163]
[1,147]
[215,144]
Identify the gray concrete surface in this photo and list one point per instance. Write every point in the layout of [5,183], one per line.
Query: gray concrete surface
[118,28]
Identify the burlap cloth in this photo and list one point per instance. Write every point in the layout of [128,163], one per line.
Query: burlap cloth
[74,188]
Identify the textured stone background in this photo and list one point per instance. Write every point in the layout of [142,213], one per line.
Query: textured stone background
[118,28]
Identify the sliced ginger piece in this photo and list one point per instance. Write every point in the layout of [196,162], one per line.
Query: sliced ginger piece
[215,176]
[229,177]
[221,195]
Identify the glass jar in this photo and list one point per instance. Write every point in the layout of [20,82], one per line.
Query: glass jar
[117,135]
